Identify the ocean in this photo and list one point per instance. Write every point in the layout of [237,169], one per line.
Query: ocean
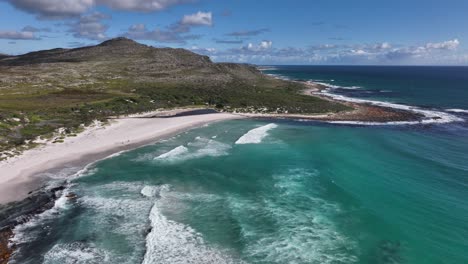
[279,191]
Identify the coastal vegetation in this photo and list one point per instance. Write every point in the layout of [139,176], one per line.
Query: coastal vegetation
[42,92]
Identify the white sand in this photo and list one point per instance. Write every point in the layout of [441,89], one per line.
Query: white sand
[19,175]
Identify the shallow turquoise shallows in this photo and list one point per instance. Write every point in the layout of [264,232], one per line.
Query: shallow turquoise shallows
[268,191]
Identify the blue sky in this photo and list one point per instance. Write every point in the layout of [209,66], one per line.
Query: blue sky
[264,32]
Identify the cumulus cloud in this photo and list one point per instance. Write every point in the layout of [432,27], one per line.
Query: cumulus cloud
[382,46]
[53,9]
[446,45]
[203,50]
[248,33]
[27,33]
[18,35]
[140,5]
[262,46]
[198,19]
[378,53]
[57,9]
[174,33]
[90,27]
[140,32]
[266,44]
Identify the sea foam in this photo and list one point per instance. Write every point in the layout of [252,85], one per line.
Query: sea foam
[173,242]
[304,230]
[430,116]
[199,148]
[174,153]
[256,135]
[457,110]
[75,253]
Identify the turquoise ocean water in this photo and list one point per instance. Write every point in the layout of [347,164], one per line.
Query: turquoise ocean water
[276,191]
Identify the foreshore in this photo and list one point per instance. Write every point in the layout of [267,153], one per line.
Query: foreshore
[22,174]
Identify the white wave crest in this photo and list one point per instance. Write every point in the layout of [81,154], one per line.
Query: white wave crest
[332,86]
[173,242]
[455,110]
[256,135]
[23,234]
[430,116]
[200,147]
[174,153]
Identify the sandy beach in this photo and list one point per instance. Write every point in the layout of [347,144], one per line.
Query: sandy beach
[21,174]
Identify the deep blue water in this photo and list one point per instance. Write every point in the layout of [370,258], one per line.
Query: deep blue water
[430,86]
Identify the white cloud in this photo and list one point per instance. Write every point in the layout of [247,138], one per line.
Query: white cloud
[382,46]
[359,52]
[17,35]
[51,9]
[198,19]
[171,35]
[203,50]
[266,44]
[90,27]
[140,5]
[447,45]
[262,46]
[57,9]
[378,53]
[177,32]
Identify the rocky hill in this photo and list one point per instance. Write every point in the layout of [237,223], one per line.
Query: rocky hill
[121,57]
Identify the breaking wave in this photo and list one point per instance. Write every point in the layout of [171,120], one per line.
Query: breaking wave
[200,147]
[173,154]
[173,242]
[430,116]
[463,111]
[304,229]
[256,135]
[336,86]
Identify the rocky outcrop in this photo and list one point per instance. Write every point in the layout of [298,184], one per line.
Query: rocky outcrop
[18,213]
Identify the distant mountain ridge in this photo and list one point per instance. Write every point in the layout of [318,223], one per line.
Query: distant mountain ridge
[138,59]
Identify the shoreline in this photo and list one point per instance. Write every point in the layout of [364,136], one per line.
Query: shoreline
[124,133]
[27,172]
[366,112]
[129,132]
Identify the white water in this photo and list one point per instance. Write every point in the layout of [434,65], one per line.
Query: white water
[174,153]
[21,234]
[336,86]
[430,116]
[256,135]
[457,110]
[305,230]
[199,148]
[172,242]
[75,253]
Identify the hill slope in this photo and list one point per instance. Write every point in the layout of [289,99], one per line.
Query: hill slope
[41,91]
